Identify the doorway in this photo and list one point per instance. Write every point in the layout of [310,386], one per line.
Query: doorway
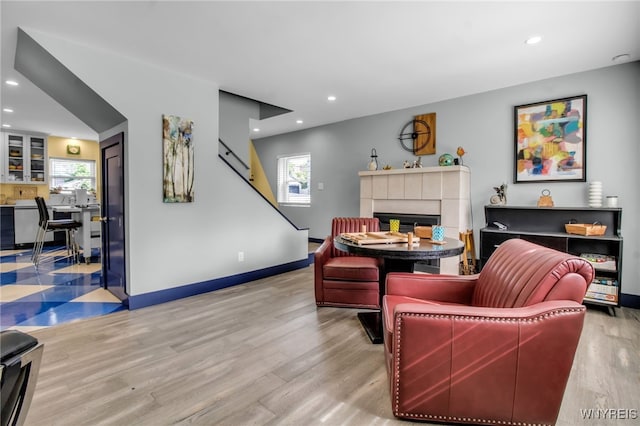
[113,244]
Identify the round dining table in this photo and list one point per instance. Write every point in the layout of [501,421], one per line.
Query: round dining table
[396,257]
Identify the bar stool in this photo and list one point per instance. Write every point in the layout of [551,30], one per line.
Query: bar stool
[70,227]
[469,253]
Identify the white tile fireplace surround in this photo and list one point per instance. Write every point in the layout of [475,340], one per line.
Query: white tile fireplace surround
[440,191]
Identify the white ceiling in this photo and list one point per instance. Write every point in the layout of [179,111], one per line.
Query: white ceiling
[373,56]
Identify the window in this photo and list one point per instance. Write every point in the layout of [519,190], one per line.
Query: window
[72,174]
[294,179]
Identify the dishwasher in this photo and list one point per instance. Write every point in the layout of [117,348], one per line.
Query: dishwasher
[26,222]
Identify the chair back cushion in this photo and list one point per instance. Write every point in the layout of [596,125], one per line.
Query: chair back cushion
[351,224]
[520,273]
[42,210]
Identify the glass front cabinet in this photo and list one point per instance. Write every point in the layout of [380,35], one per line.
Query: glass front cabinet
[24,159]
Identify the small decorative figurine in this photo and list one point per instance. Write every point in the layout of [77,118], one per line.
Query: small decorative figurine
[445,160]
[460,151]
[501,195]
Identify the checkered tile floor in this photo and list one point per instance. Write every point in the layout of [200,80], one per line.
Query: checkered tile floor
[58,291]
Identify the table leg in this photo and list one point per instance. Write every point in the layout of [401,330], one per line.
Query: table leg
[372,321]
[84,234]
[372,324]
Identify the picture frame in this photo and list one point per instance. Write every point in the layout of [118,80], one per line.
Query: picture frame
[73,149]
[550,140]
[178,159]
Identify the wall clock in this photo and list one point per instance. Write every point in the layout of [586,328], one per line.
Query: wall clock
[418,136]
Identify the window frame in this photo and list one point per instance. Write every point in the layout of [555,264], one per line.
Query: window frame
[93,177]
[283,194]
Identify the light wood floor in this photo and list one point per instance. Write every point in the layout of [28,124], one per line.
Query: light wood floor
[263,354]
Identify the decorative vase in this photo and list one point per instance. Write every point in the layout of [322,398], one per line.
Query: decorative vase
[595,194]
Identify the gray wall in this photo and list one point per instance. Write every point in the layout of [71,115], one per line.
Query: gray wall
[483,125]
[234,114]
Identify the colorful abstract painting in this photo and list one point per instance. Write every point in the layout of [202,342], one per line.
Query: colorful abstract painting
[177,141]
[551,140]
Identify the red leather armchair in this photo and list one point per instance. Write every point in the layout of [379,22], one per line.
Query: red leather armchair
[343,279]
[491,348]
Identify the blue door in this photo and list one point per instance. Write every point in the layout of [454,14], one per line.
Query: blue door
[112,202]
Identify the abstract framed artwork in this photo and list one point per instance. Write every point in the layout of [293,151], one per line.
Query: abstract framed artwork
[178,159]
[550,141]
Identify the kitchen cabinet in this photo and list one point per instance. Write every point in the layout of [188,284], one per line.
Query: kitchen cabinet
[546,226]
[24,159]
[7,230]
[26,223]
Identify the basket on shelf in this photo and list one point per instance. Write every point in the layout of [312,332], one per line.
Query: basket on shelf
[585,228]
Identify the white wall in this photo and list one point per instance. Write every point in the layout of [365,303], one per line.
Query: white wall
[169,245]
[483,125]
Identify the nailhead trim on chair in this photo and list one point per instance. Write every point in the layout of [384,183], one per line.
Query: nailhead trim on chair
[399,318]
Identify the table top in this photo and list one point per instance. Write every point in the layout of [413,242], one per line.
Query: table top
[426,249]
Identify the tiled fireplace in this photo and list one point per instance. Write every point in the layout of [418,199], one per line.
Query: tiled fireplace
[438,191]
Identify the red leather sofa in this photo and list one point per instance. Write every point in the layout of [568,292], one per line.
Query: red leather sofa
[343,279]
[491,348]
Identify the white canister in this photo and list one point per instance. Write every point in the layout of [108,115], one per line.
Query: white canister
[595,194]
[612,201]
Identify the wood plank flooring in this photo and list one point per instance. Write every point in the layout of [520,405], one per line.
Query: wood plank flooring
[263,354]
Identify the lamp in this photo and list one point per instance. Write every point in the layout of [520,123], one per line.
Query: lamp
[373,163]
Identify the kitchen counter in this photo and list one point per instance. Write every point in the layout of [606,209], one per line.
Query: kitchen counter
[26,218]
[83,214]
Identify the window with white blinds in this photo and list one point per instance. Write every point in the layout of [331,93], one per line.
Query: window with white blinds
[67,175]
[294,179]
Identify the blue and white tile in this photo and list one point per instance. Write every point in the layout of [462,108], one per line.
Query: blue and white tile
[56,292]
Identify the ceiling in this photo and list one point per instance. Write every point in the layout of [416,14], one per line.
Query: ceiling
[373,56]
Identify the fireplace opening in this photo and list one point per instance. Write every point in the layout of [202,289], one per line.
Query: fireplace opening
[407,222]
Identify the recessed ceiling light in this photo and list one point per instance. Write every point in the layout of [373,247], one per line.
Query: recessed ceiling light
[533,40]
[256,129]
[7,109]
[331,98]
[621,58]
[299,121]
[6,125]
[11,83]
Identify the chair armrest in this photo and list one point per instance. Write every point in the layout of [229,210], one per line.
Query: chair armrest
[440,288]
[323,253]
[477,357]
[320,257]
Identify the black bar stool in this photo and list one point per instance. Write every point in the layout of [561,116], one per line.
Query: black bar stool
[70,227]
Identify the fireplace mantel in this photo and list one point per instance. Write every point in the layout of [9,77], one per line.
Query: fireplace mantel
[440,191]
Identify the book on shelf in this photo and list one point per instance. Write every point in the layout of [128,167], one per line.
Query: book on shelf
[602,262]
[603,290]
[611,299]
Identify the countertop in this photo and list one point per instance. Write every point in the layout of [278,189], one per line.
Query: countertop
[56,206]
